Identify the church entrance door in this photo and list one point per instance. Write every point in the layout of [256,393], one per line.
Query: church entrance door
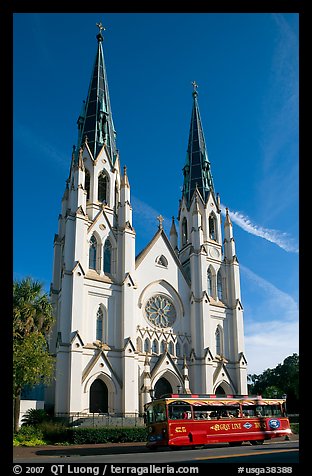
[162,387]
[98,397]
[220,392]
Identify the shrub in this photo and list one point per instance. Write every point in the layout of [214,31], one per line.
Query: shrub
[34,416]
[54,432]
[294,428]
[28,436]
[108,435]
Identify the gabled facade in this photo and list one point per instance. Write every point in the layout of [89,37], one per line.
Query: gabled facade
[170,319]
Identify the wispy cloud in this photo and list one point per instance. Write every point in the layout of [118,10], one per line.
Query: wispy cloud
[280,120]
[281,239]
[271,328]
[146,216]
[28,138]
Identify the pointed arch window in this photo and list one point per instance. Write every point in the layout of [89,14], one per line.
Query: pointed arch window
[163,347]
[218,341]
[184,231]
[139,344]
[170,348]
[212,227]
[147,345]
[92,253]
[155,347]
[107,261]
[87,183]
[103,188]
[219,286]
[178,349]
[162,261]
[116,198]
[100,325]
[209,282]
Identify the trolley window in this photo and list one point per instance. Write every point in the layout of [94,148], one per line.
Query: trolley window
[156,413]
[179,411]
[250,411]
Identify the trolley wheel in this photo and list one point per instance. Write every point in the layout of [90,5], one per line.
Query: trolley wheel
[257,442]
[235,443]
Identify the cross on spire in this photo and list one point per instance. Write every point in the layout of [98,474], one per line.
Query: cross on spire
[195,85]
[160,219]
[100,27]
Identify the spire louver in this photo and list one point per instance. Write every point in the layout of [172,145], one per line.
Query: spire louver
[95,123]
[197,174]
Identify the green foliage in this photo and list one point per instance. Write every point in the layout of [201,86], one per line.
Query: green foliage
[54,432]
[32,321]
[32,309]
[283,379]
[44,433]
[272,392]
[34,416]
[29,436]
[295,428]
[32,364]
[108,435]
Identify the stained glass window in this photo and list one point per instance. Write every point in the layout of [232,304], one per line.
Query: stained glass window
[160,311]
[107,257]
[92,253]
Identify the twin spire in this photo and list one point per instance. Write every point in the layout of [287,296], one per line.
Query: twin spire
[95,123]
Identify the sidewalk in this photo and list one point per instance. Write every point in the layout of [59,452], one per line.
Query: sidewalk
[95,449]
[78,450]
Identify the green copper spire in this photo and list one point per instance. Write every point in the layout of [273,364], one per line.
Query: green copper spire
[95,123]
[196,171]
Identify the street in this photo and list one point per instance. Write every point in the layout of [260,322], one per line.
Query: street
[271,452]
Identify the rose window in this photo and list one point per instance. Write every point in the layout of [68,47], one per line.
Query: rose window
[160,311]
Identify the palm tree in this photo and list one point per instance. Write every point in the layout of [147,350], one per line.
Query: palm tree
[32,321]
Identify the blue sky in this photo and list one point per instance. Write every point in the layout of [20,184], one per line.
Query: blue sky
[246,68]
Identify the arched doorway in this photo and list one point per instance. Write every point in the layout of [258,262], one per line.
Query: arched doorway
[220,392]
[162,387]
[98,397]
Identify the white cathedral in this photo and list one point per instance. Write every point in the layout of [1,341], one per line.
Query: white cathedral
[169,320]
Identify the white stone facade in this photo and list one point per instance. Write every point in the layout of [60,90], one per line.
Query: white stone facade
[170,319]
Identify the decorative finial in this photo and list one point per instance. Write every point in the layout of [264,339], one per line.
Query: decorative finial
[227,217]
[100,27]
[195,86]
[160,219]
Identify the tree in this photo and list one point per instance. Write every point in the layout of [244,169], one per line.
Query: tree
[283,379]
[32,322]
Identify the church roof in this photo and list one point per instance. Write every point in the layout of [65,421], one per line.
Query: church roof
[197,173]
[95,120]
[161,233]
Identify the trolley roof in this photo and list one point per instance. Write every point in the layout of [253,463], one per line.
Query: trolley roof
[200,400]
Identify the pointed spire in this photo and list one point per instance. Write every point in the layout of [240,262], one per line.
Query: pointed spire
[197,167]
[95,120]
[173,230]
[125,180]
[174,236]
[227,217]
